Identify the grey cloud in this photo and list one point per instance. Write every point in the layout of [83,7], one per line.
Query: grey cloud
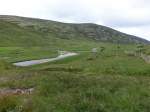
[123,22]
[116,17]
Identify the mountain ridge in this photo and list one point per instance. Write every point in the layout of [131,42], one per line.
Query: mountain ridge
[44,30]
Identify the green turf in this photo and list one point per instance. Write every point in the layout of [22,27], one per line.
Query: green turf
[111,82]
[114,80]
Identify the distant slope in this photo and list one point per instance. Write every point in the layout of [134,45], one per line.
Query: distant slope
[21,31]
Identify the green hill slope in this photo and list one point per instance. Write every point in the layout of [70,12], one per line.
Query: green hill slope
[20,31]
[113,79]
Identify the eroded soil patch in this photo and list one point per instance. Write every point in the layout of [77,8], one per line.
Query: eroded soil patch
[16,91]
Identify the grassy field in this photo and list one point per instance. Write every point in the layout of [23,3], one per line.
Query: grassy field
[113,81]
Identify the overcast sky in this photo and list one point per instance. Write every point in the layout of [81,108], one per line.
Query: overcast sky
[129,16]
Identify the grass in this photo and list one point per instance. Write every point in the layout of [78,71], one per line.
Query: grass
[112,82]
[63,91]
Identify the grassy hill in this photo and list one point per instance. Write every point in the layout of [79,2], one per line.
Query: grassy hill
[37,32]
[115,79]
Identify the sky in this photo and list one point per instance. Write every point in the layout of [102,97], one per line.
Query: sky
[129,16]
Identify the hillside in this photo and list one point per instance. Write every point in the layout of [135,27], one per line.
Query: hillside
[113,79]
[36,32]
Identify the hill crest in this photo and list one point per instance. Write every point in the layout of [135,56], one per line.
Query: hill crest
[44,30]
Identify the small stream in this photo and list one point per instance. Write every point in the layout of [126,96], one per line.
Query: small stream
[35,62]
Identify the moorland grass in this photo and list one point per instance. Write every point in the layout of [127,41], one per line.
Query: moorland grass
[111,82]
